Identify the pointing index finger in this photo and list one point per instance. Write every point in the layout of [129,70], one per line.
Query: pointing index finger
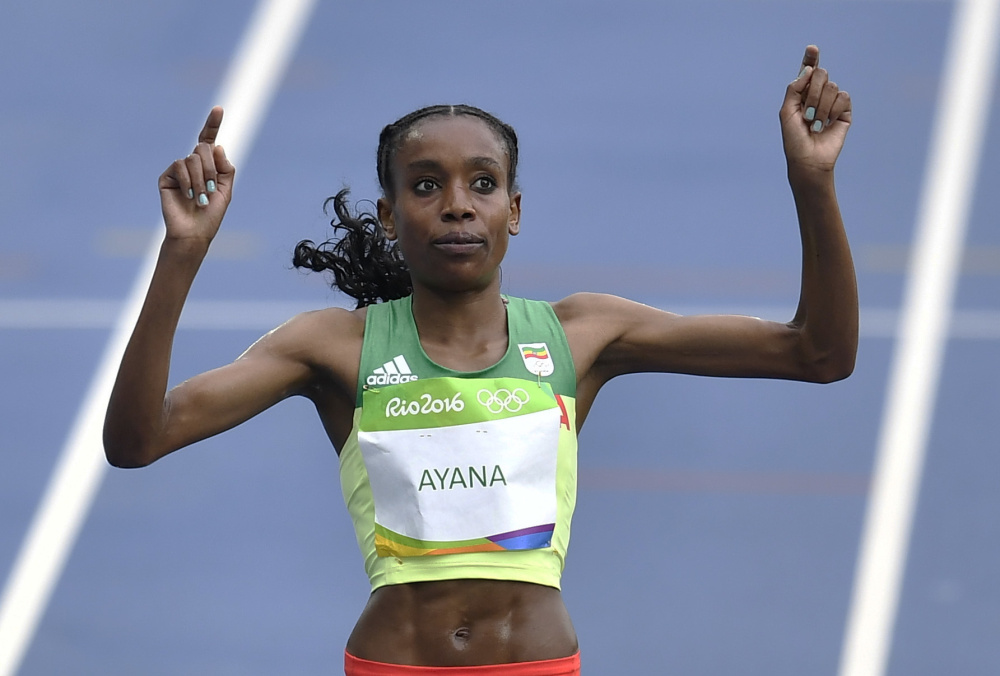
[211,129]
[810,58]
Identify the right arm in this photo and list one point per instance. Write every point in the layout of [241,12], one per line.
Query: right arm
[143,421]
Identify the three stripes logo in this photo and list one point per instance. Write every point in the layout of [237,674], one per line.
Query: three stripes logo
[393,372]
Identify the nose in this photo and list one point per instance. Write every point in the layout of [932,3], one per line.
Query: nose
[457,204]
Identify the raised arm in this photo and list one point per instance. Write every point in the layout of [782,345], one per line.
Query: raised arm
[143,422]
[611,336]
[827,315]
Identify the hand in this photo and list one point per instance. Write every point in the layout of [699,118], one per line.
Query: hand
[195,191]
[815,117]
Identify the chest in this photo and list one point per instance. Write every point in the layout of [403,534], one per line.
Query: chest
[475,354]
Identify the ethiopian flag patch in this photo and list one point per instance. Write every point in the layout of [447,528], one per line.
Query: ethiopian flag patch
[536,358]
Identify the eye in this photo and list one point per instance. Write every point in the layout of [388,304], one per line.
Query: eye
[425,185]
[484,183]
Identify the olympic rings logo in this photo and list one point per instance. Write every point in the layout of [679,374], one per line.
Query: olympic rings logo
[503,399]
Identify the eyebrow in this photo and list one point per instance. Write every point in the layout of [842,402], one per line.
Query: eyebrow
[473,162]
[485,163]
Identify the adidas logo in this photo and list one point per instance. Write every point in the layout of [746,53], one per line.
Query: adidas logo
[392,372]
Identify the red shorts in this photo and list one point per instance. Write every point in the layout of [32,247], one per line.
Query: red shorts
[565,666]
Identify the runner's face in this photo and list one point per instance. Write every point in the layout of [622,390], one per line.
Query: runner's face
[452,211]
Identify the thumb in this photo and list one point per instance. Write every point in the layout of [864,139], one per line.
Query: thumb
[798,86]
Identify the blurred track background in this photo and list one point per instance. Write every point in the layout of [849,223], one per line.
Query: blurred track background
[718,521]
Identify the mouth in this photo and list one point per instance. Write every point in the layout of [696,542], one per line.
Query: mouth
[459,242]
[459,238]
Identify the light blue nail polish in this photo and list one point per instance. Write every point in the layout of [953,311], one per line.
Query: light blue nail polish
[817,126]
[190,194]
[810,113]
[210,184]
[801,72]
[203,199]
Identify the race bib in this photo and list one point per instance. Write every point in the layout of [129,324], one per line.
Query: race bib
[461,465]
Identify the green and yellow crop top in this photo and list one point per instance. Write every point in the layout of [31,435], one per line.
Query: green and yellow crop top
[450,474]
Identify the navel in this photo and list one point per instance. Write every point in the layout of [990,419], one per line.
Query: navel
[461,637]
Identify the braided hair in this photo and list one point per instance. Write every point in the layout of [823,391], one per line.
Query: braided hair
[365,265]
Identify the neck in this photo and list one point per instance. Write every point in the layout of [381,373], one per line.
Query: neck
[457,317]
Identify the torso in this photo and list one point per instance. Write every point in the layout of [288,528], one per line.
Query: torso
[454,622]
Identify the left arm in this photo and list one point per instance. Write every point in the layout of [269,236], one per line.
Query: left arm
[827,316]
[611,336]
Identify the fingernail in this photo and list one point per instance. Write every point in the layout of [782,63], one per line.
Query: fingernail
[190,194]
[801,72]
[817,127]
[210,184]
[203,200]
[810,113]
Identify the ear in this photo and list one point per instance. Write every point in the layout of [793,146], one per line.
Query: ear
[514,222]
[386,218]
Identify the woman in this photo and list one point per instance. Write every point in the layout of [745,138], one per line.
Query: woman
[454,409]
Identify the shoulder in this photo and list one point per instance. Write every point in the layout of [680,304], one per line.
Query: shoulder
[601,309]
[603,330]
[340,321]
[308,336]
[592,322]
[581,305]
[325,344]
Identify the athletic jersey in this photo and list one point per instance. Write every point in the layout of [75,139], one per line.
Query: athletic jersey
[450,474]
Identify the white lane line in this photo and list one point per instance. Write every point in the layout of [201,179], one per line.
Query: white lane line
[254,74]
[963,108]
[48,314]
